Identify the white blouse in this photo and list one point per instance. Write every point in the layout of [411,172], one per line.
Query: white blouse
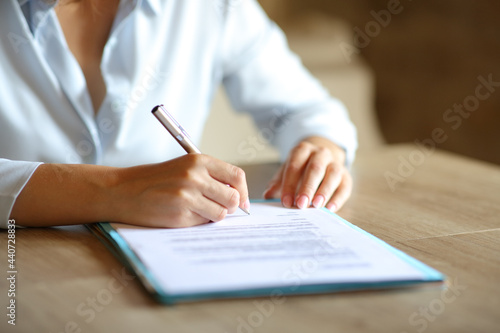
[171,52]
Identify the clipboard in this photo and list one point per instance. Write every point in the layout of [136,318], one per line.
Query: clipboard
[108,234]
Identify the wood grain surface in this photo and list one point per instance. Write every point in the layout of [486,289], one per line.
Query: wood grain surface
[445,213]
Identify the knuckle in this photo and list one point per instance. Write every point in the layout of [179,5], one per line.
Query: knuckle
[182,193]
[189,170]
[234,199]
[197,160]
[191,159]
[296,150]
[333,168]
[294,167]
[237,174]
[179,194]
[189,174]
[302,146]
[324,151]
[202,158]
[316,167]
[308,188]
[183,197]
[240,174]
[191,177]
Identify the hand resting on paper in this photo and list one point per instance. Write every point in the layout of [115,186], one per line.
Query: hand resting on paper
[314,173]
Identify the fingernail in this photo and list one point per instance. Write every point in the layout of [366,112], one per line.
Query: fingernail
[303,202]
[288,201]
[318,201]
[246,205]
[332,207]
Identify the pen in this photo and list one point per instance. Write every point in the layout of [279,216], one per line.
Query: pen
[179,134]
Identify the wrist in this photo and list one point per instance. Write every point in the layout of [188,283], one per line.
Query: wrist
[92,186]
[110,198]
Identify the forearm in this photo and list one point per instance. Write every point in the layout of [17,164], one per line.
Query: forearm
[59,194]
[182,192]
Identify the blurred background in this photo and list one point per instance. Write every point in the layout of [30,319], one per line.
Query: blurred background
[403,68]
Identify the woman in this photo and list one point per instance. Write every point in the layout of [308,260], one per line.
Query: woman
[77,142]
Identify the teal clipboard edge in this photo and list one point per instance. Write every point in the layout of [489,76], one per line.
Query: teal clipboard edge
[122,251]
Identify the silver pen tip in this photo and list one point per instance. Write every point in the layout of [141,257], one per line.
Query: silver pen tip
[244,210]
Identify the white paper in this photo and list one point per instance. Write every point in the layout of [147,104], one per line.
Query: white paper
[273,247]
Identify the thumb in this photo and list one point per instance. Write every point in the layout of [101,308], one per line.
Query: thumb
[274,186]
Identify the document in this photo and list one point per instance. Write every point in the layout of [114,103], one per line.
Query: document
[290,250]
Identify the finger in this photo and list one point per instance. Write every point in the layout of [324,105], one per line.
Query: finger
[221,194]
[209,209]
[166,217]
[313,175]
[275,184]
[204,202]
[331,181]
[180,211]
[292,173]
[232,176]
[342,193]
[187,219]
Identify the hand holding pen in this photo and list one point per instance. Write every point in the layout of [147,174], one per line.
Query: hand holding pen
[181,136]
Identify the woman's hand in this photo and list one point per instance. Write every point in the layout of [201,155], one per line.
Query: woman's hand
[314,173]
[186,191]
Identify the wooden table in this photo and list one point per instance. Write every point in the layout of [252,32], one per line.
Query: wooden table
[445,211]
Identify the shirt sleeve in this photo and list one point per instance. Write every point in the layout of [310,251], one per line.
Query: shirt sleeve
[263,77]
[13,177]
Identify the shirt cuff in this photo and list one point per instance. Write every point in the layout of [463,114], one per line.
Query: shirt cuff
[328,119]
[14,175]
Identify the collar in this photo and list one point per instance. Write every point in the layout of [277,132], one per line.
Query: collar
[154,6]
[36,11]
